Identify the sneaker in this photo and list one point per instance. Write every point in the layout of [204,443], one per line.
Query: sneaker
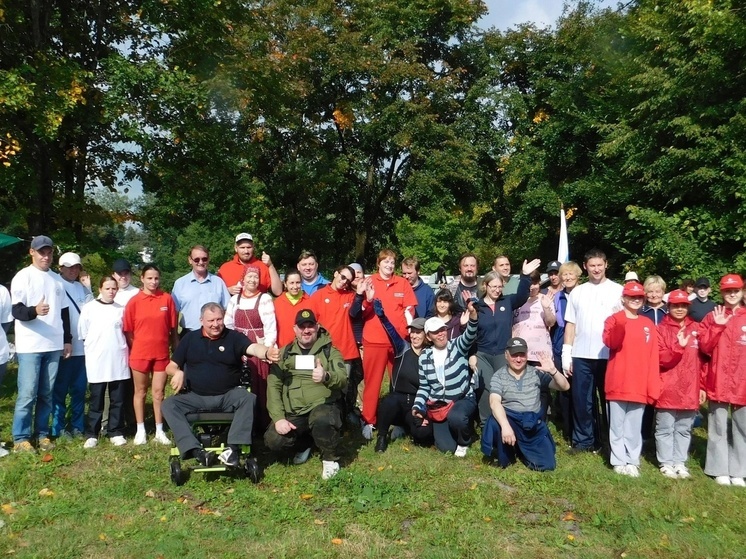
[118,440]
[162,438]
[205,458]
[382,443]
[330,469]
[302,457]
[722,480]
[738,481]
[90,443]
[3,451]
[46,444]
[368,429]
[632,470]
[25,446]
[397,433]
[65,435]
[460,451]
[229,458]
[141,438]
[668,471]
[681,471]
[620,470]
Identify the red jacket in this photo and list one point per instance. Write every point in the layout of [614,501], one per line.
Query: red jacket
[332,310]
[233,271]
[682,369]
[285,313]
[726,373]
[632,374]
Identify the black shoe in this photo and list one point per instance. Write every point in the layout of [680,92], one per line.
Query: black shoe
[230,458]
[583,450]
[204,457]
[382,443]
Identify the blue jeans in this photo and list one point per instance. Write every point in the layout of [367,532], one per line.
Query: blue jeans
[36,375]
[588,402]
[71,378]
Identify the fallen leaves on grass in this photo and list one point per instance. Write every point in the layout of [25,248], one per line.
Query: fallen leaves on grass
[47,458]
[337,541]
[381,468]
[570,538]
[102,537]
[473,486]
[688,519]
[306,496]
[8,508]
[568,517]
[136,457]
[150,493]
[45,492]
[318,522]
[487,519]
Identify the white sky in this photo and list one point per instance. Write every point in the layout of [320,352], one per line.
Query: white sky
[504,14]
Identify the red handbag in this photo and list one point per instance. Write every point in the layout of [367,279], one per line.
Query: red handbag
[437,410]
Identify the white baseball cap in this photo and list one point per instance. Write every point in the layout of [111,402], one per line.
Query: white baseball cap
[70,259]
[433,324]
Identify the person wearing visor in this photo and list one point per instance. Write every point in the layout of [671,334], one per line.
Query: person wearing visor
[516,430]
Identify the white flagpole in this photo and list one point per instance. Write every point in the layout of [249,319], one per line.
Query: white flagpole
[563,253]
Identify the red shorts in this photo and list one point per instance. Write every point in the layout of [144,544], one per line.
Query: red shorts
[149,365]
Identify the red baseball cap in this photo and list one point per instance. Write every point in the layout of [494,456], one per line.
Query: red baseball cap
[678,296]
[731,281]
[633,289]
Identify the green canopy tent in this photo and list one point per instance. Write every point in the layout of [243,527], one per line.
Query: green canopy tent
[7,240]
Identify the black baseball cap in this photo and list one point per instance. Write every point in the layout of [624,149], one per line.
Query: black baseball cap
[554,266]
[516,345]
[304,316]
[703,281]
[121,265]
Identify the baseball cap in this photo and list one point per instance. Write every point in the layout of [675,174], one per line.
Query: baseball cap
[417,324]
[731,281]
[244,237]
[41,241]
[516,345]
[631,276]
[433,324]
[633,289]
[678,296]
[554,266]
[70,259]
[304,316]
[702,282]
[121,265]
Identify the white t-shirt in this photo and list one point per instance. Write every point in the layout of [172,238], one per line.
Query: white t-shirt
[81,296]
[124,295]
[5,316]
[100,325]
[43,333]
[588,306]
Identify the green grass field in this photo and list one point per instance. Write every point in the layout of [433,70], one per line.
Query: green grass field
[408,502]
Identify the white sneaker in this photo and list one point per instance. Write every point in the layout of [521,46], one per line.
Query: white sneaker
[162,438]
[302,457]
[738,481]
[90,443]
[722,480]
[632,470]
[368,429]
[330,469]
[620,470]
[397,432]
[682,471]
[668,471]
[141,438]
[460,451]
[119,440]
[3,451]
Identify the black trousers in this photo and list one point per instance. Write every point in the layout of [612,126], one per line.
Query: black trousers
[117,392]
[396,409]
[322,426]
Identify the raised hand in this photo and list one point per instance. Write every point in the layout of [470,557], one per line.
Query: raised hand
[529,267]
[718,313]
[683,340]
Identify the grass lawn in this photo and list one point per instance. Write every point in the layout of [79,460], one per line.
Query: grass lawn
[408,502]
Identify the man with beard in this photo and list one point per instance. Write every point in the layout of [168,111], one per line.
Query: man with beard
[232,272]
[464,286]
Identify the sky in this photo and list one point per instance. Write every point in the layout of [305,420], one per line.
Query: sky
[504,14]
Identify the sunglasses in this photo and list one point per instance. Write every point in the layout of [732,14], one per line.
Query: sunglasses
[200,260]
[345,278]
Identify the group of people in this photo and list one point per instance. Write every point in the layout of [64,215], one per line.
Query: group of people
[475,352]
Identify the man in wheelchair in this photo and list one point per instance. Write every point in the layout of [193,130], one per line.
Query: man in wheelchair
[205,373]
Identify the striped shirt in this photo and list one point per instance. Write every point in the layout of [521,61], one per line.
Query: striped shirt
[455,380]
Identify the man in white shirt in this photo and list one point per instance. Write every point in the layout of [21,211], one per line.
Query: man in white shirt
[71,375]
[584,355]
[43,335]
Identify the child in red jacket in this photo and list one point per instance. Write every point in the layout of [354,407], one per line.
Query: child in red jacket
[681,366]
[724,338]
[632,378]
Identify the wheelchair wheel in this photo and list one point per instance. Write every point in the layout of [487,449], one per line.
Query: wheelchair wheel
[252,470]
[176,475]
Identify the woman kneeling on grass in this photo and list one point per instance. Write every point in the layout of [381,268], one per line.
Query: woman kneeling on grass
[445,396]
[632,378]
[150,322]
[723,334]
[100,326]
[516,426]
[681,364]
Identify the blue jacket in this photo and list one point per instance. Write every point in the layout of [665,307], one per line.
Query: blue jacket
[425,300]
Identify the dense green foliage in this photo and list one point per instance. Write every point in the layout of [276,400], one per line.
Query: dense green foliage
[349,126]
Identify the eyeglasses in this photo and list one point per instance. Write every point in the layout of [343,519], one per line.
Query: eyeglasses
[200,260]
[345,278]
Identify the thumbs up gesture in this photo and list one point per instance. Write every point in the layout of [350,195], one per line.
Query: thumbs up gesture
[266,260]
[42,308]
[318,372]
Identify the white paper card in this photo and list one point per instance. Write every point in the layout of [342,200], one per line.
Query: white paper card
[304,362]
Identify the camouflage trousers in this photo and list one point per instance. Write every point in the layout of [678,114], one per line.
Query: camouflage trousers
[321,426]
